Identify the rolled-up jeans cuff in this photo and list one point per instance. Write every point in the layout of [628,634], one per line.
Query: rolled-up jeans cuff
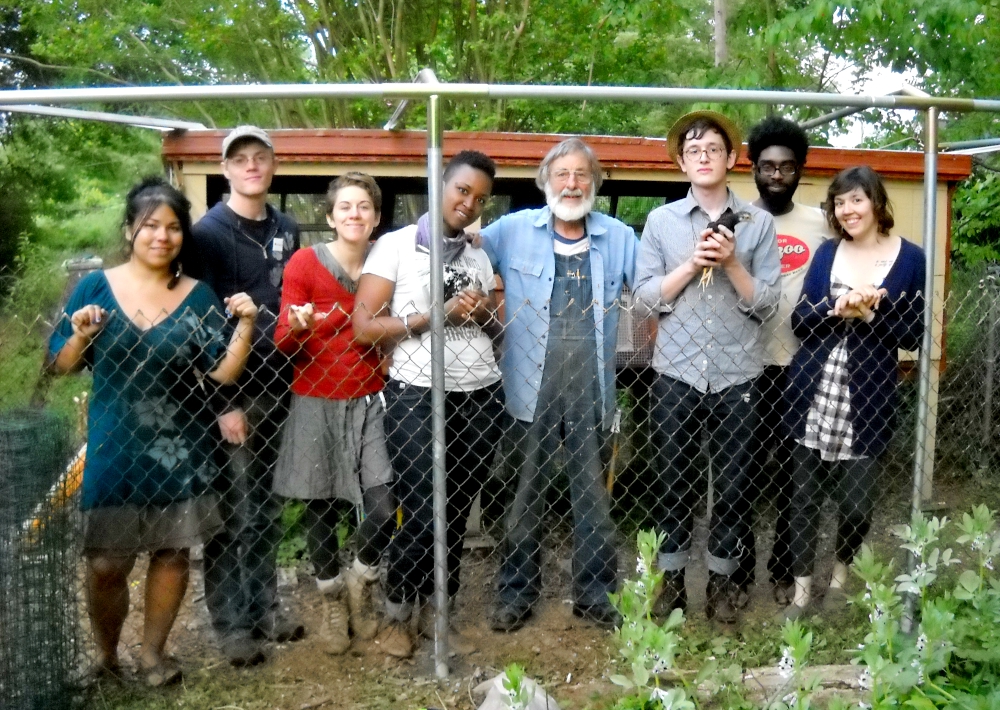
[721,565]
[399,611]
[673,561]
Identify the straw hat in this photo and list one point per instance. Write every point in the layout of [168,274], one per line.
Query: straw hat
[681,125]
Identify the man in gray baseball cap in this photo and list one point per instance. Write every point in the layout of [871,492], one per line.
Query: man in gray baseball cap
[243,245]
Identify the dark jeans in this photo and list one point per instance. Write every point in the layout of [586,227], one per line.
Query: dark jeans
[240,578]
[679,414]
[850,483]
[473,427]
[595,558]
[322,515]
[769,440]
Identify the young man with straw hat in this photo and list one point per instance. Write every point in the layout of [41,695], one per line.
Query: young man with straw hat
[708,266]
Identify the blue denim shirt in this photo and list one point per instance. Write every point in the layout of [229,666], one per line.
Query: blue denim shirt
[520,247]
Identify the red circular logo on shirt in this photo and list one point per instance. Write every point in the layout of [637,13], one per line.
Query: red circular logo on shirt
[794,253]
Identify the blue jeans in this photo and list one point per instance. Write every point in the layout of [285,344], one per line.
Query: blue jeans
[595,556]
[240,577]
[730,416]
[473,427]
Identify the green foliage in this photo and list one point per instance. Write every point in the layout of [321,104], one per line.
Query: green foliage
[953,660]
[518,693]
[976,219]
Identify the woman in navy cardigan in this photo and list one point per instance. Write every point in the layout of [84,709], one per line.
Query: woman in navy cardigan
[862,300]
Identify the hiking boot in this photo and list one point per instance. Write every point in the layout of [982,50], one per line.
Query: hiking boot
[723,599]
[672,595]
[457,640]
[394,639]
[361,579]
[242,650]
[508,618]
[335,627]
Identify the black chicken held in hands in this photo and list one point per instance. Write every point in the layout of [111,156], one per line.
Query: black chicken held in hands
[729,220]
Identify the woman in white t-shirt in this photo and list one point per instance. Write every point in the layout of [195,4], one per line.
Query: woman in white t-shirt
[392,311]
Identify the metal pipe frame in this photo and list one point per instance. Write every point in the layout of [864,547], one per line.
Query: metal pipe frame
[435,183]
[159,124]
[925,363]
[229,92]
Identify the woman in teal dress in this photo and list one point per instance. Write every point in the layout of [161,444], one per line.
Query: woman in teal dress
[157,343]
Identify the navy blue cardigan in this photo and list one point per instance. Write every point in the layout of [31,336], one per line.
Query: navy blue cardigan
[872,358]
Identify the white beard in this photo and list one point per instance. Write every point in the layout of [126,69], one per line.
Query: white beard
[565,212]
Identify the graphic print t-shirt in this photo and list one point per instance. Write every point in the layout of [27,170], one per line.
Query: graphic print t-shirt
[468,352]
[800,232]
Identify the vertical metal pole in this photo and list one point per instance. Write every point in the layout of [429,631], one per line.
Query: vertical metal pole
[435,183]
[924,393]
[990,291]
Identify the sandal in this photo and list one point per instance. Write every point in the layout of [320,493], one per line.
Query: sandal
[163,673]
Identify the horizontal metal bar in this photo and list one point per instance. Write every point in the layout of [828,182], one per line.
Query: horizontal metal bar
[160,124]
[979,143]
[482,91]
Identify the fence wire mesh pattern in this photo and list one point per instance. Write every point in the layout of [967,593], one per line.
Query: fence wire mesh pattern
[333,479]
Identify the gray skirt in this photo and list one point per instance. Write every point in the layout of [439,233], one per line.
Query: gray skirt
[333,448]
[131,529]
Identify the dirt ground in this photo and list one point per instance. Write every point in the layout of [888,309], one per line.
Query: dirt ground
[570,658]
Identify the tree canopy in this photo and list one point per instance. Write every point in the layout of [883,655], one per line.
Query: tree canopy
[944,46]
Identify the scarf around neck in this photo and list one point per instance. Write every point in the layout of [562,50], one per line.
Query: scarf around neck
[453,246]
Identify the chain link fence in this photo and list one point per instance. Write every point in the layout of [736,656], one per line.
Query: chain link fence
[540,508]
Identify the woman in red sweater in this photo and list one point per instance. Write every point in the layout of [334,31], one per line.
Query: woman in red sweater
[333,448]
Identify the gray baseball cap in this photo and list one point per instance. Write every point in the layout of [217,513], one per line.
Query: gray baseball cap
[258,134]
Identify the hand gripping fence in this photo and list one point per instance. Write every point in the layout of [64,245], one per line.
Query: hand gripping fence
[545,503]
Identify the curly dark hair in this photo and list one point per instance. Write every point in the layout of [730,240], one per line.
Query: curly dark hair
[870,183]
[775,130]
[474,159]
[145,198]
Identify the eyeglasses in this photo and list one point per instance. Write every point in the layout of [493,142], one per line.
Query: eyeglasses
[714,152]
[241,161]
[769,169]
[583,177]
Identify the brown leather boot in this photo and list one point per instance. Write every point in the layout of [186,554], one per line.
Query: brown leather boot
[394,639]
[457,640]
[361,580]
[335,619]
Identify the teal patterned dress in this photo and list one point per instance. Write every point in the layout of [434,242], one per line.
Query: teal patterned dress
[151,428]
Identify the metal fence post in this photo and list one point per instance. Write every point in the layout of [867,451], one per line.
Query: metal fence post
[990,291]
[435,183]
[923,396]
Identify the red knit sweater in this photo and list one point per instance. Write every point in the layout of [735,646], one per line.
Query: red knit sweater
[328,363]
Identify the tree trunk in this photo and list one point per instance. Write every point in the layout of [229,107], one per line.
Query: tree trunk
[721,51]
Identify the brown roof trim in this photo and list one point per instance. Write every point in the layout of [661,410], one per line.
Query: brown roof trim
[527,149]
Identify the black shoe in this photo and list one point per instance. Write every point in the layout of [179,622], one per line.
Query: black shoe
[723,599]
[508,618]
[672,595]
[603,615]
[278,628]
